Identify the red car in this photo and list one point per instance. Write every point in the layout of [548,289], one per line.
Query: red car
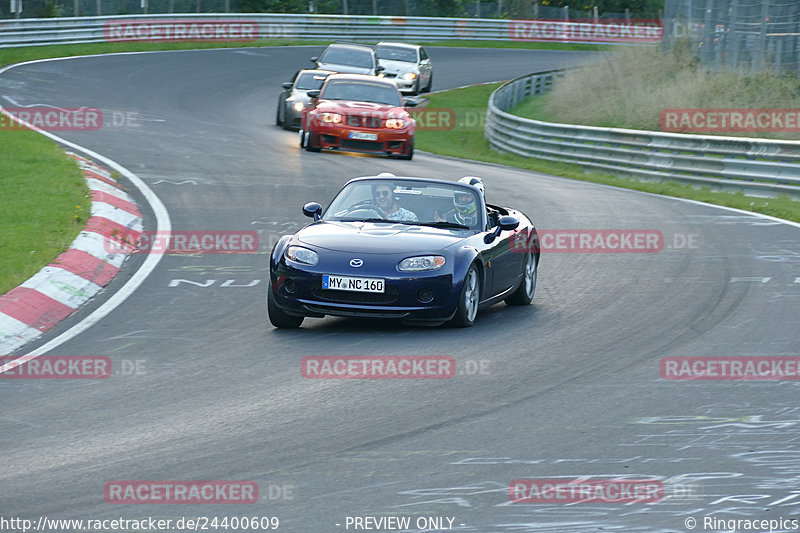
[358,113]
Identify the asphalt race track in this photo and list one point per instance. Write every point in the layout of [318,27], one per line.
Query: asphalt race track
[570,387]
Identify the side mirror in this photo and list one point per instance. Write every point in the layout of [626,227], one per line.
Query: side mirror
[379,68]
[287,85]
[313,94]
[411,102]
[313,210]
[506,223]
[314,59]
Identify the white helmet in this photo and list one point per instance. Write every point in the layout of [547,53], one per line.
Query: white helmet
[474,181]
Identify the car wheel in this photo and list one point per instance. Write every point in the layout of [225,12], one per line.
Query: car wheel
[410,154]
[524,293]
[468,300]
[302,135]
[278,317]
[309,144]
[285,123]
[415,90]
[278,121]
[427,88]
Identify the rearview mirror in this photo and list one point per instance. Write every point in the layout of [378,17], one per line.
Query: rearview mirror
[313,210]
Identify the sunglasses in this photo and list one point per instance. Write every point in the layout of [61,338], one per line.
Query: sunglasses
[381,194]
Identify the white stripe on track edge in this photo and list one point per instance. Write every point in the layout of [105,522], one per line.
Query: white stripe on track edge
[163,224]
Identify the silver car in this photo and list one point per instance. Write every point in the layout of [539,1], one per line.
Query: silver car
[294,97]
[348,59]
[408,65]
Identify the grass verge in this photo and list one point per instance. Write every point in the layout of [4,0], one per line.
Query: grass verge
[44,205]
[466,139]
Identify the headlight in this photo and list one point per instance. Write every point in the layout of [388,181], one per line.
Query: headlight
[394,123]
[418,264]
[409,75]
[302,255]
[298,106]
[334,118]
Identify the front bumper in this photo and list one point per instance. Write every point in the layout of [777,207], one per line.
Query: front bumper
[300,292]
[338,138]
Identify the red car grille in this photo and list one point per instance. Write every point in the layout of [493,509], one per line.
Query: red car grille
[359,121]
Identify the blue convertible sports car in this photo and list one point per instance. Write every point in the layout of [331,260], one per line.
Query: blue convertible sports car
[421,250]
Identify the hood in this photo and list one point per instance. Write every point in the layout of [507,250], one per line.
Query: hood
[379,238]
[398,67]
[347,107]
[344,69]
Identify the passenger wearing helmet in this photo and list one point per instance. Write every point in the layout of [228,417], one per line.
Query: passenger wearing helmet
[466,205]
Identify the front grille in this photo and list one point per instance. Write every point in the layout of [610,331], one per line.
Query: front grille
[389,74]
[355,144]
[358,121]
[359,298]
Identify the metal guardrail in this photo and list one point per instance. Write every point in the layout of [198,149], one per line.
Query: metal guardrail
[28,32]
[759,166]
[43,31]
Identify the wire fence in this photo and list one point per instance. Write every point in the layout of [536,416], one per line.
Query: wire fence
[498,9]
[752,35]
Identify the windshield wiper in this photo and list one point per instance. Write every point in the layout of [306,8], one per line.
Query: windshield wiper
[444,224]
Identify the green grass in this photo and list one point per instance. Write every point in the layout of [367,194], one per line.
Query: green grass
[30,53]
[466,140]
[43,205]
[629,89]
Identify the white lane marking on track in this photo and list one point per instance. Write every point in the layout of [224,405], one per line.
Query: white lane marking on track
[163,224]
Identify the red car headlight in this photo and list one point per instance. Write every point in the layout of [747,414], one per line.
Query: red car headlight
[332,118]
[395,123]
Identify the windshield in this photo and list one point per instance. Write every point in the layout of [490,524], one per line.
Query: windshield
[408,202]
[378,93]
[347,56]
[309,81]
[396,53]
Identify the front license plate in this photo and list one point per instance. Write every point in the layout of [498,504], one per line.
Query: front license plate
[363,135]
[347,283]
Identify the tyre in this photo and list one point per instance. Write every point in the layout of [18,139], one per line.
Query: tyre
[415,90]
[309,144]
[427,88]
[468,300]
[410,154]
[278,317]
[285,123]
[278,120]
[524,293]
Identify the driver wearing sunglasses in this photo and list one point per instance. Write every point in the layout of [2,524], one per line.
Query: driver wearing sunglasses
[383,197]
